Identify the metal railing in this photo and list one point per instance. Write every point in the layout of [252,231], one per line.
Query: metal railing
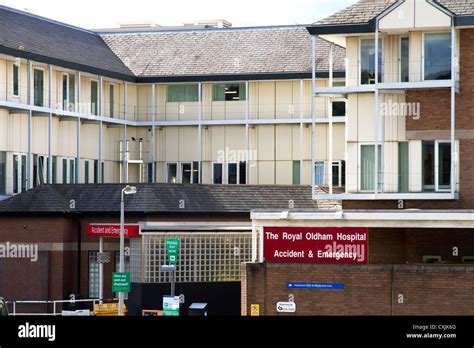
[55,304]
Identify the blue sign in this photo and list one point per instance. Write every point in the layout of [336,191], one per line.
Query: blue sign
[315,286]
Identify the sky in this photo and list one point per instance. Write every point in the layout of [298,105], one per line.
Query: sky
[92,14]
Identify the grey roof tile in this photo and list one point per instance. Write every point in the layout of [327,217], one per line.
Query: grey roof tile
[162,198]
[221,52]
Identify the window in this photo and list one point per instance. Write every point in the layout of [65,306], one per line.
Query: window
[436,165]
[93,275]
[232,173]
[217,173]
[102,173]
[38,170]
[196,176]
[65,176]
[111,100]
[94,98]
[339,83]
[86,172]
[3,173]
[150,172]
[182,93]
[96,171]
[172,173]
[296,172]
[367,165]
[404,59]
[437,56]
[338,108]
[186,173]
[19,173]
[16,80]
[319,173]
[403,165]
[243,173]
[72,171]
[68,92]
[339,173]
[367,61]
[38,87]
[54,175]
[228,92]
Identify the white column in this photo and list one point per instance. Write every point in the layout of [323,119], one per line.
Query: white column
[101,271]
[153,132]
[50,126]
[124,140]
[29,158]
[247,142]
[453,109]
[261,258]
[330,126]
[200,134]
[78,129]
[376,111]
[301,132]
[313,112]
[101,113]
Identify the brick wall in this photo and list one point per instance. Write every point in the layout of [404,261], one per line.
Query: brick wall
[369,289]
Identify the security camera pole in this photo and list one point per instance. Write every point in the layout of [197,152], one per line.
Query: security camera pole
[128,190]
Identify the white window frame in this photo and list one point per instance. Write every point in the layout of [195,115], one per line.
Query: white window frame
[45,168]
[65,107]
[400,58]
[325,168]
[19,79]
[338,163]
[423,53]
[359,72]
[359,173]
[227,172]
[223,173]
[180,174]
[167,172]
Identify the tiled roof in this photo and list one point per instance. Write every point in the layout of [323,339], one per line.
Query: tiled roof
[221,51]
[361,12]
[458,7]
[32,34]
[161,198]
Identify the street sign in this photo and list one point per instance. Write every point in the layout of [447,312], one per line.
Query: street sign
[121,282]
[112,230]
[330,286]
[103,257]
[254,310]
[171,306]
[172,250]
[286,307]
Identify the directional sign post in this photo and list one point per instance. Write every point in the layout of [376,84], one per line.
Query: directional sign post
[171,306]
[172,250]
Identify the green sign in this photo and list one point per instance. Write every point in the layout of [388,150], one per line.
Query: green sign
[171,306]
[172,250]
[121,282]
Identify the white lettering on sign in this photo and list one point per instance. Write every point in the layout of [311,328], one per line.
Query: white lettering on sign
[289,253]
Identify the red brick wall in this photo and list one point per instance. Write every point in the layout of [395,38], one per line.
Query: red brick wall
[369,290]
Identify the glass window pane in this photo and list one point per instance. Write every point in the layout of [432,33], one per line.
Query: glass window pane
[296,172]
[38,87]
[72,92]
[65,92]
[96,171]
[367,159]
[94,97]
[403,167]
[3,173]
[41,170]
[229,92]
[16,80]
[242,173]
[437,56]
[444,166]
[404,59]
[111,100]
[338,109]
[319,173]
[428,154]
[150,172]
[86,172]
[232,173]
[65,181]
[72,171]
[186,173]
[54,169]
[182,93]
[367,61]
[35,170]
[217,173]
[195,172]
[23,173]
[172,173]
[16,173]
[102,173]
[335,173]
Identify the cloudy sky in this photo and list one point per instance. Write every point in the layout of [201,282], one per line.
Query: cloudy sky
[109,13]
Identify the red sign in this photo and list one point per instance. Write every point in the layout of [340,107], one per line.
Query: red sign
[316,245]
[112,230]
